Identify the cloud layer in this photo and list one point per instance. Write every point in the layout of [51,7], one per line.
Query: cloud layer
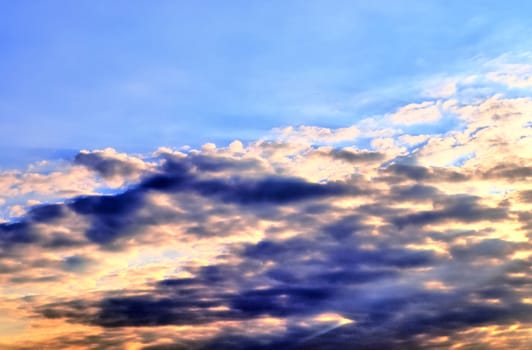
[361,237]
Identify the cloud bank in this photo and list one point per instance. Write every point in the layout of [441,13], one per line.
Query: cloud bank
[363,237]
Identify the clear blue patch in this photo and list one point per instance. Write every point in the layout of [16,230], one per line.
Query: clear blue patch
[444,125]
[458,162]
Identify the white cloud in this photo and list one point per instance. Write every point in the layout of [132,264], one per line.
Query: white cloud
[315,134]
[417,113]
[514,75]
[174,234]
[440,88]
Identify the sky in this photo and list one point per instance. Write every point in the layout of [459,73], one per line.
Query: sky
[257,175]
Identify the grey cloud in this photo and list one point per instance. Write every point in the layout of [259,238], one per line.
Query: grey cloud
[461,208]
[509,171]
[356,157]
[107,167]
[526,196]
[421,173]
[353,261]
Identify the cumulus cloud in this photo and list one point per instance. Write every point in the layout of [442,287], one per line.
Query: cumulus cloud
[116,168]
[293,242]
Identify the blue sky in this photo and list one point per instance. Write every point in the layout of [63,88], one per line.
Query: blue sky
[138,75]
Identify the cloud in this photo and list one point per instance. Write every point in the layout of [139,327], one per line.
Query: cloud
[385,241]
[462,208]
[514,75]
[313,134]
[356,156]
[108,163]
[416,113]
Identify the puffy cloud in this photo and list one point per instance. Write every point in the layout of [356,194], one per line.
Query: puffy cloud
[117,169]
[313,239]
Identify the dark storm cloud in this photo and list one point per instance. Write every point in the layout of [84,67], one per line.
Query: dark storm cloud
[353,276]
[355,262]
[421,173]
[179,175]
[190,300]
[504,171]
[217,164]
[356,157]
[416,193]
[337,255]
[345,227]
[384,333]
[387,257]
[114,216]
[391,320]
[75,310]
[274,250]
[273,190]
[119,204]
[17,233]
[281,301]
[110,215]
[46,213]
[496,248]
[191,304]
[24,231]
[509,172]
[149,311]
[63,240]
[460,208]
[306,276]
